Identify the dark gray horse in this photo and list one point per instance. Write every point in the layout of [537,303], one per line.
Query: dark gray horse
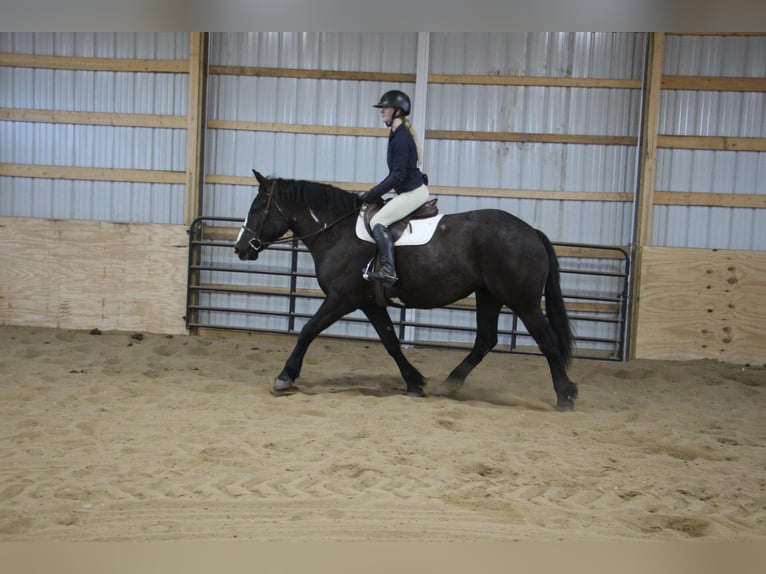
[488,252]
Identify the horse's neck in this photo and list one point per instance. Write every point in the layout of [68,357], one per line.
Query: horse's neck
[320,230]
[308,223]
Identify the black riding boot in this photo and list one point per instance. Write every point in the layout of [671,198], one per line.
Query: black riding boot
[386,273]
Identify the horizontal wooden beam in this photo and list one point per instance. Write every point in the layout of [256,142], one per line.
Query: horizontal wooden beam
[92,118]
[611,196]
[534,81]
[660,197]
[296,128]
[311,74]
[714,83]
[94,64]
[715,143]
[688,198]
[551,195]
[518,137]
[716,33]
[458,79]
[722,143]
[91,173]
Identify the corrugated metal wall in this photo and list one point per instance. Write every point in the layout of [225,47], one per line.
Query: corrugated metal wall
[709,113]
[538,109]
[298,101]
[94,146]
[293,155]
[355,159]
[359,159]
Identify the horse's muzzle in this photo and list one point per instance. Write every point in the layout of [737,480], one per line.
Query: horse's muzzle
[250,253]
[246,255]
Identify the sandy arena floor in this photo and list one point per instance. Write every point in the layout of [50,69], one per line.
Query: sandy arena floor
[132,438]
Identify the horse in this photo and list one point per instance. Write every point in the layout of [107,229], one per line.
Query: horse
[488,252]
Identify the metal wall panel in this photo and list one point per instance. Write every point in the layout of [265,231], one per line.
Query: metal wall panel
[555,54]
[149,45]
[295,156]
[453,163]
[552,167]
[706,113]
[94,146]
[539,166]
[92,200]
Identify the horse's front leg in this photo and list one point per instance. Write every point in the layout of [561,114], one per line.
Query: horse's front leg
[328,313]
[379,318]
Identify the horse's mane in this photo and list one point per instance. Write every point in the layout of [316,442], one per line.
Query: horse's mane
[319,196]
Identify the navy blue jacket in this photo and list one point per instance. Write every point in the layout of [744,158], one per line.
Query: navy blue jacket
[404,174]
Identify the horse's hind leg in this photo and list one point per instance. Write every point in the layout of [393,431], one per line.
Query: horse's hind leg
[380,320]
[537,326]
[487,311]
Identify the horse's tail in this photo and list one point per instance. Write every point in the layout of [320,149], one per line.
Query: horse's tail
[554,303]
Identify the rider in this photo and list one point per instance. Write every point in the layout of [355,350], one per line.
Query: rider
[404,178]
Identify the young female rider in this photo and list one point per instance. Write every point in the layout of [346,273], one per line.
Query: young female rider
[404,178]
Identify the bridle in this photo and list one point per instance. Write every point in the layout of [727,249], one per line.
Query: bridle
[258,245]
[255,243]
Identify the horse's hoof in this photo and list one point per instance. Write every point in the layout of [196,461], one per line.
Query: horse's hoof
[415,392]
[281,388]
[447,388]
[565,405]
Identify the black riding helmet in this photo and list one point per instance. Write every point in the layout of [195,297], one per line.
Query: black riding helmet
[395,99]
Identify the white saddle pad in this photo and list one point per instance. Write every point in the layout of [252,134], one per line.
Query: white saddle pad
[418,232]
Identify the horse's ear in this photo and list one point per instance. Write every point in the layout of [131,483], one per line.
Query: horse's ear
[261,180]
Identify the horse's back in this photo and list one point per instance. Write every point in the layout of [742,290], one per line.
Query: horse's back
[483,248]
[492,228]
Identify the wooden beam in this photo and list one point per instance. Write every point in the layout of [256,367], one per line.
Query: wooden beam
[92,118]
[195,124]
[515,137]
[91,173]
[532,81]
[743,200]
[611,196]
[93,64]
[716,33]
[714,83]
[715,143]
[647,172]
[518,137]
[296,128]
[393,77]
[310,74]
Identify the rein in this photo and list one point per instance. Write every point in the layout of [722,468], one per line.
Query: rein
[258,245]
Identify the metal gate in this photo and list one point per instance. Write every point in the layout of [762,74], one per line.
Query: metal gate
[279,293]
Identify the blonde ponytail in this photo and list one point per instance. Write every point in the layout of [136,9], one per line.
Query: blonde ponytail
[408,125]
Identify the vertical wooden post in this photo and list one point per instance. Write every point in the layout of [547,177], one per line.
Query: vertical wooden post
[195,124]
[195,137]
[647,172]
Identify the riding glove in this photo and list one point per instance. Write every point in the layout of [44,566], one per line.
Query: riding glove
[371,196]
